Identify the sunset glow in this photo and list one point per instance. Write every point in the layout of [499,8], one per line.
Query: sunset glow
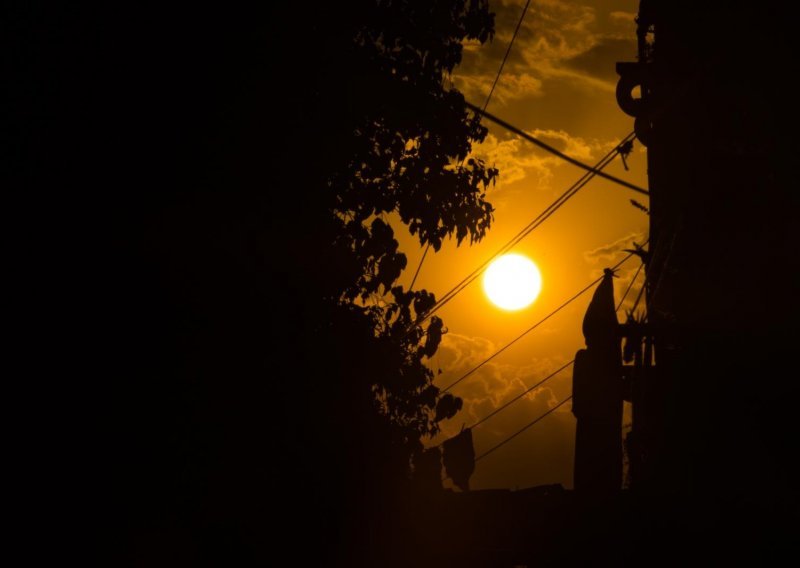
[512,282]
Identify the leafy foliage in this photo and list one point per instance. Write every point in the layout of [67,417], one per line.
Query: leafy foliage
[404,152]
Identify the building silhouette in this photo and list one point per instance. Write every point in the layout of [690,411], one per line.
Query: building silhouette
[714,430]
[597,398]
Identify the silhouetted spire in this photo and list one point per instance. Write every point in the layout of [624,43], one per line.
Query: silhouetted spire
[597,398]
[600,322]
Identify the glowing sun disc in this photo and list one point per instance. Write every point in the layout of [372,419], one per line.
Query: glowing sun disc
[512,282]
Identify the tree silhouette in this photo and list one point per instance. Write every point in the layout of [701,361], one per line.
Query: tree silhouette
[384,136]
[403,151]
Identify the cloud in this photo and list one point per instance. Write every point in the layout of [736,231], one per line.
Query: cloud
[620,16]
[559,73]
[511,87]
[611,253]
[516,158]
[576,77]
[606,253]
[600,60]
[574,146]
[557,42]
[543,454]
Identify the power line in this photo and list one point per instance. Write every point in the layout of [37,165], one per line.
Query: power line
[419,267]
[537,324]
[639,296]
[519,396]
[485,106]
[638,299]
[630,285]
[552,150]
[541,218]
[520,336]
[554,373]
[530,227]
[548,377]
[521,430]
[505,57]
[523,393]
[551,375]
[664,267]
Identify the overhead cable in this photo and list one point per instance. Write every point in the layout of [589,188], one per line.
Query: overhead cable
[555,151]
[530,227]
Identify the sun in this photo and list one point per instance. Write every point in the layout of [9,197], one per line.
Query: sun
[512,282]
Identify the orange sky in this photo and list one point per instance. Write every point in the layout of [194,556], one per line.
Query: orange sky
[558,85]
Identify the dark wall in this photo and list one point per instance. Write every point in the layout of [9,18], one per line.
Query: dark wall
[725,269]
[161,158]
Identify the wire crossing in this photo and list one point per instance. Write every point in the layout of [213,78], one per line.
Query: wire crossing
[555,151]
[554,373]
[546,214]
[529,228]
[540,322]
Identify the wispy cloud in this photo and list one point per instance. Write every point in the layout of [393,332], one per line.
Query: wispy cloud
[558,41]
[475,87]
[620,16]
[516,159]
[612,251]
